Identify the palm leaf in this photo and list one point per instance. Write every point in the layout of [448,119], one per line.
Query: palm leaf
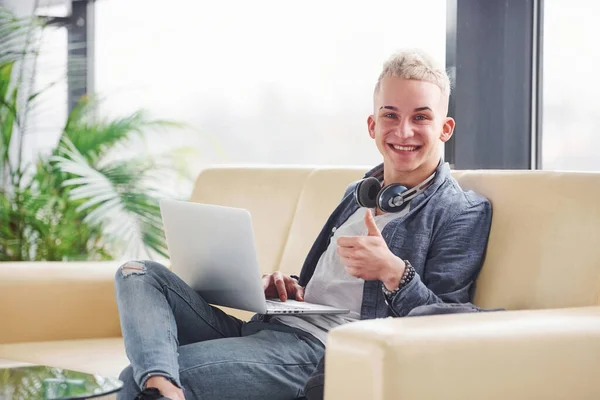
[76,205]
[8,116]
[93,139]
[62,210]
[14,35]
[116,198]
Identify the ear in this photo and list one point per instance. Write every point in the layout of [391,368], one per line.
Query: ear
[371,126]
[447,129]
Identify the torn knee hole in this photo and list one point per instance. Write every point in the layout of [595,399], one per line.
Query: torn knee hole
[133,268]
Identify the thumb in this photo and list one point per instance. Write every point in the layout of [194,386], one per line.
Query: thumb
[372,229]
[300,293]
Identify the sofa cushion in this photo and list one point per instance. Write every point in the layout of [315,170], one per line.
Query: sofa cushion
[321,193]
[516,355]
[543,248]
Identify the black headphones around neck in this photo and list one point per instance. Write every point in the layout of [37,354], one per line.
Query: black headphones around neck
[369,193]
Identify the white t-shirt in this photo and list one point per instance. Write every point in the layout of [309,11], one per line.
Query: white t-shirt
[331,285]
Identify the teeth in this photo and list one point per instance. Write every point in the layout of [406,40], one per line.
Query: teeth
[405,148]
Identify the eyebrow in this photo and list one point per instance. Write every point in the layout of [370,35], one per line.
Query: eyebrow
[396,108]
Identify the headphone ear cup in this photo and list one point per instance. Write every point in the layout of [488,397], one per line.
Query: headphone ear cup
[390,198]
[366,192]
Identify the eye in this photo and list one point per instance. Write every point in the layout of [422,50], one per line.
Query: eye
[389,115]
[420,117]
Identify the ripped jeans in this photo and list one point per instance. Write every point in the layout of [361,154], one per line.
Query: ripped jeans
[170,331]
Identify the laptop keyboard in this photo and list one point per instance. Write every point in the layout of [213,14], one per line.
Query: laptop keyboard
[276,305]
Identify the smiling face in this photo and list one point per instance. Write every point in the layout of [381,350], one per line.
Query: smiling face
[408,125]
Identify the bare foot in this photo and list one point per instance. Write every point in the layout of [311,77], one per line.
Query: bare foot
[166,387]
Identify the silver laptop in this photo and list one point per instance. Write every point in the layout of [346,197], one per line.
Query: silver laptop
[212,249]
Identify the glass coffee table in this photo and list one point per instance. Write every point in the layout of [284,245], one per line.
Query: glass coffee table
[38,382]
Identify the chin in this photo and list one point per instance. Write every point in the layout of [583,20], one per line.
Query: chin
[400,168]
[403,165]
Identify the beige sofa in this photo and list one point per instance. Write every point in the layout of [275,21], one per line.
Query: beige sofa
[543,253]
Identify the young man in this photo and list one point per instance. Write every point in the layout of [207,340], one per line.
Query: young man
[427,252]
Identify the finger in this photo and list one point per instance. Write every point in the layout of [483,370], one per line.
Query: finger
[266,279]
[290,285]
[355,272]
[300,293]
[349,262]
[355,242]
[348,241]
[280,285]
[372,229]
[345,252]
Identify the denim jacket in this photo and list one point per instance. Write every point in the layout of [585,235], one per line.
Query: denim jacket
[444,236]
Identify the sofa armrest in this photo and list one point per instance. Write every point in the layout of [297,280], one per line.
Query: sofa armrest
[545,354]
[46,301]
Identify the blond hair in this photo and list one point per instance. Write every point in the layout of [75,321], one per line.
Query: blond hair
[417,65]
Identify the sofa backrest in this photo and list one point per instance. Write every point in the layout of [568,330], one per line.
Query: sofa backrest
[323,190]
[544,247]
[48,301]
[270,194]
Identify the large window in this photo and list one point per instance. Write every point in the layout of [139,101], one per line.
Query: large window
[49,111]
[43,72]
[571,54]
[260,81]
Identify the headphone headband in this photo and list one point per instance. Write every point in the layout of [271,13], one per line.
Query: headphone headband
[369,193]
[415,191]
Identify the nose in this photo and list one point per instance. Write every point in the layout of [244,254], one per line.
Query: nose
[404,129]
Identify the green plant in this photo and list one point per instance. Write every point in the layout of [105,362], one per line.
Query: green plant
[77,202]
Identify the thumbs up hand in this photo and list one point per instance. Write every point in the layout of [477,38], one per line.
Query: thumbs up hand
[372,229]
[369,258]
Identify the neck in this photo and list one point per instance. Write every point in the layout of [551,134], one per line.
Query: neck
[409,179]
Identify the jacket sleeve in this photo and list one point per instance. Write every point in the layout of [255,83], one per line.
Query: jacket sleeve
[453,262]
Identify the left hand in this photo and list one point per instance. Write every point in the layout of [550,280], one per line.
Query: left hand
[369,258]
